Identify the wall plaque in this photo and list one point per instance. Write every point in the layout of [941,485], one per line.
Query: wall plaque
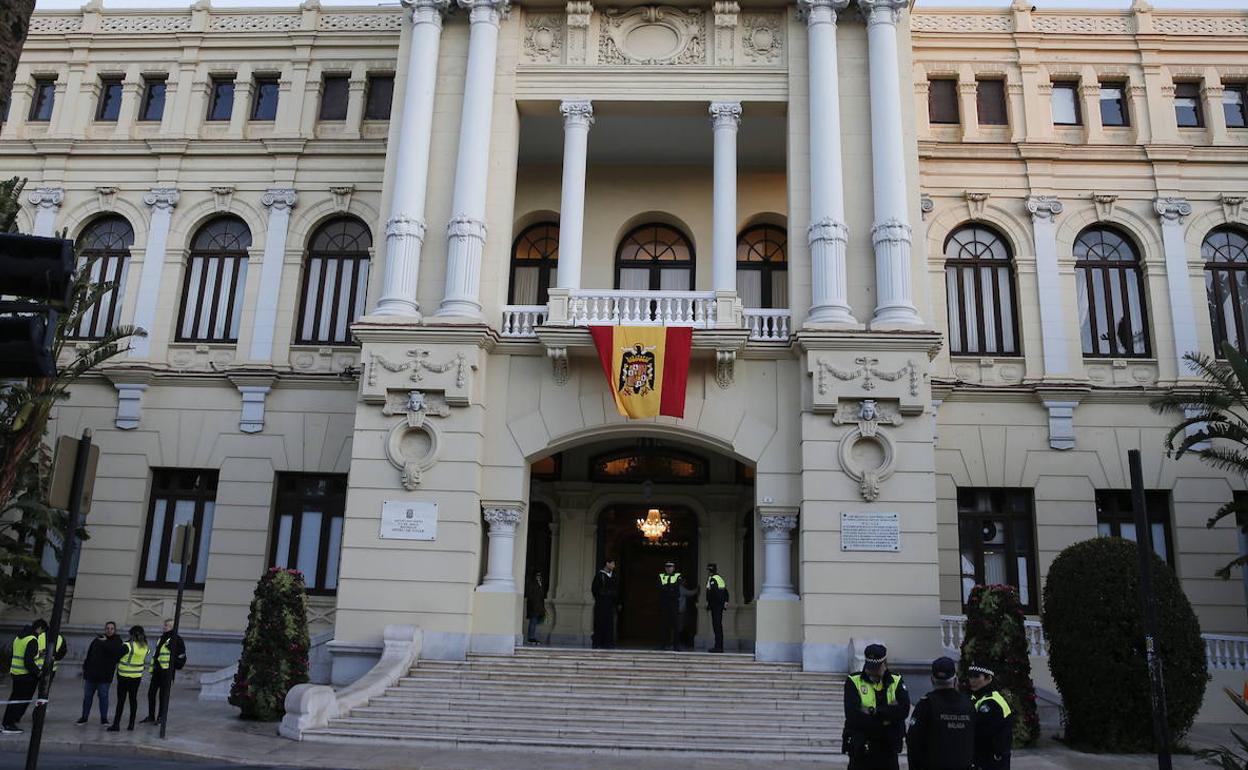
[870,531]
[409,520]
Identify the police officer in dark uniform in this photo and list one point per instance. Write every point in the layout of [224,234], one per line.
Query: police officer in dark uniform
[716,600]
[669,606]
[994,720]
[876,706]
[942,728]
[606,592]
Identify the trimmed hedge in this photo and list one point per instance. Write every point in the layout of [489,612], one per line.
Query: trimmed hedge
[275,647]
[996,637]
[1093,621]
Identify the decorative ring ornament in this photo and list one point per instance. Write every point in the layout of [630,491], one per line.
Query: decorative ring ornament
[412,465]
[869,479]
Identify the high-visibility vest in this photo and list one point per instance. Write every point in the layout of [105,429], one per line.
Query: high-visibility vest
[867,691]
[668,580]
[998,698]
[17,665]
[162,653]
[41,647]
[133,663]
[715,581]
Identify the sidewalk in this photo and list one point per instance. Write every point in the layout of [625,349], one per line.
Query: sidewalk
[212,731]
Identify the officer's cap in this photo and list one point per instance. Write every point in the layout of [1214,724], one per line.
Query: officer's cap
[979,668]
[944,669]
[712,567]
[669,564]
[875,654]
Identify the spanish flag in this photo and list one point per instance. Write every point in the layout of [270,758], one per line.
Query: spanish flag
[646,367]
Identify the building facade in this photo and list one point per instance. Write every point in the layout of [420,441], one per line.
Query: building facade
[938,264]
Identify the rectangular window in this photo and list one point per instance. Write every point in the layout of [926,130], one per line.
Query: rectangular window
[1115,517]
[1187,105]
[44,98]
[1114,105]
[153,108]
[221,98]
[179,496]
[377,99]
[996,544]
[990,103]
[212,297]
[1065,101]
[110,266]
[307,527]
[264,99]
[942,101]
[110,100]
[1235,105]
[335,92]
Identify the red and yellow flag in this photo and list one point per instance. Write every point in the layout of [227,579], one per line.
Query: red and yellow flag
[646,367]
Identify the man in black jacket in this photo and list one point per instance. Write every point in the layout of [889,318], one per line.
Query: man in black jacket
[994,719]
[669,606]
[876,706]
[716,600]
[97,671]
[24,669]
[942,729]
[168,655]
[606,591]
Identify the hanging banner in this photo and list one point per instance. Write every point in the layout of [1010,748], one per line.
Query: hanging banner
[646,367]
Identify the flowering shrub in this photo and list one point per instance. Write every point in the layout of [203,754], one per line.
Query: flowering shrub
[997,638]
[275,647]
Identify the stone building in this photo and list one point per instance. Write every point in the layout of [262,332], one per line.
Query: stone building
[938,263]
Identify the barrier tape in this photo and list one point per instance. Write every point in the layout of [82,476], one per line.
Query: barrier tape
[36,701]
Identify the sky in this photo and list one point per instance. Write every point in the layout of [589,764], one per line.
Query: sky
[1185,4]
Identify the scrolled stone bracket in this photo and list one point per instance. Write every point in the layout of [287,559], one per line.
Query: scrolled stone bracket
[559,364]
[725,367]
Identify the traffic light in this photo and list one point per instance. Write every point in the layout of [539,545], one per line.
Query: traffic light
[36,281]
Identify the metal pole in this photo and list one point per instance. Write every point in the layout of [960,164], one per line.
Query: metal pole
[166,692]
[69,541]
[1144,547]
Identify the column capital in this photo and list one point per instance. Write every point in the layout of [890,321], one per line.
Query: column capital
[46,197]
[577,112]
[725,114]
[404,226]
[882,11]
[821,11]
[1044,207]
[485,11]
[1172,209]
[162,197]
[778,522]
[502,515]
[279,198]
[427,11]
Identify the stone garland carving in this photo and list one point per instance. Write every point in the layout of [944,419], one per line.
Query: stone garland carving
[652,35]
[420,364]
[412,444]
[543,38]
[761,38]
[361,22]
[256,22]
[867,370]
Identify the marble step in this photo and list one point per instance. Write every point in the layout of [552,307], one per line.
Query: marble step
[707,680]
[594,666]
[805,724]
[610,689]
[764,709]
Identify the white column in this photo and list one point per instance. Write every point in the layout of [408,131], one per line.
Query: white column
[279,200]
[405,230]
[502,546]
[1044,210]
[726,119]
[47,201]
[162,200]
[578,116]
[894,292]
[828,236]
[777,544]
[466,231]
[1172,212]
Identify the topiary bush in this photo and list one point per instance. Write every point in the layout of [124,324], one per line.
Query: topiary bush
[996,636]
[275,647]
[1094,624]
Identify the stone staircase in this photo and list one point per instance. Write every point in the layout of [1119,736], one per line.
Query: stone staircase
[609,701]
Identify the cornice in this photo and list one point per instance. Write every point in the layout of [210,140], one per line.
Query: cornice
[377,329]
[807,340]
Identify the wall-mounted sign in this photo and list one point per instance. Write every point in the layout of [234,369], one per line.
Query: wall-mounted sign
[409,520]
[870,531]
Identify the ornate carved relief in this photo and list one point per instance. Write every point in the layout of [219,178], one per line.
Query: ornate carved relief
[1200,25]
[421,369]
[543,38]
[867,453]
[976,202]
[1232,207]
[762,40]
[866,369]
[412,444]
[1082,25]
[137,25]
[255,22]
[725,365]
[54,25]
[652,35]
[943,22]
[348,22]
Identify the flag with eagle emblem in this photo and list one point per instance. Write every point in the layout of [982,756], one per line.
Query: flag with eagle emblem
[646,367]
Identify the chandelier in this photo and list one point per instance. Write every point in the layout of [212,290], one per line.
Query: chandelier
[654,526]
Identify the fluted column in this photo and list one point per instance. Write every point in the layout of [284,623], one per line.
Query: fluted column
[279,200]
[578,116]
[405,230]
[1044,210]
[891,234]
[47,201]
[777,545]
[503,521]
[162,200]
[466,231]
[1172,212]
[828,236]
[726,119]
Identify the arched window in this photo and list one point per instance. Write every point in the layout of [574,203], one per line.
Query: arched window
[979,288]
[105,246]
[534,259]
[762,267]
[654,257]
[1225,251]
[216,272]
[335,281]
[1112,313]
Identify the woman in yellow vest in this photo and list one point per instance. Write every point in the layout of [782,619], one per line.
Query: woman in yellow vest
[130,675]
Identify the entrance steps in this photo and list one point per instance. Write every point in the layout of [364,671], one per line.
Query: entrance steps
[606,701]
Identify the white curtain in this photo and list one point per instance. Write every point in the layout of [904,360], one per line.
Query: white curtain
[524,292]
[750,287]
[634,278]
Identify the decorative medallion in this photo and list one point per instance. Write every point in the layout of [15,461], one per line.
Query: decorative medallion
[760,37]
[412,444]
[543,38]
[653,35]
[867,454]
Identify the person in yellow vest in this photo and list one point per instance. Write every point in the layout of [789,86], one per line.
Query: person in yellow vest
[669,606]
[716,600]
[168,656]
[41,644]
[24,668]
[994,720]
[130,671]
[876,706]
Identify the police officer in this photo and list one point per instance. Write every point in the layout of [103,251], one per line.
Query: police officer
[168,656]
[41,648]
[942,729]
[716,600]
[994,720]
[669,606]
[24,668]
[606,592]
[876,706]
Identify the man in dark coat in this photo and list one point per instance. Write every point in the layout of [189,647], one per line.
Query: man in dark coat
[534,605]
[669,606]
[942,728]
[168,655]
[876,706]
[994,719]
[97,671]
[716,600]
[606,591]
